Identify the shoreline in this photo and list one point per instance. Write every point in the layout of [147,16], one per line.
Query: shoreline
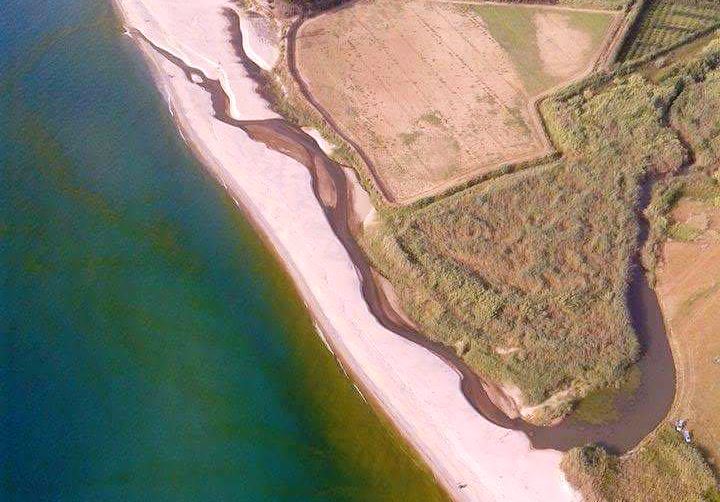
[419,392]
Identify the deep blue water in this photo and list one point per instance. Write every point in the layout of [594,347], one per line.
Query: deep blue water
[151,348]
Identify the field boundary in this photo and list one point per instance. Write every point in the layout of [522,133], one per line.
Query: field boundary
[291,61]
[602,58]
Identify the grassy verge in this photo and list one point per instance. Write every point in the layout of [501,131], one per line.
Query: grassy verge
[662,468]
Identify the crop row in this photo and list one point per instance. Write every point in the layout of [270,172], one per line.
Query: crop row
[665,23]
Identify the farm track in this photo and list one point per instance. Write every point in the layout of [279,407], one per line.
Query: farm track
[304,89]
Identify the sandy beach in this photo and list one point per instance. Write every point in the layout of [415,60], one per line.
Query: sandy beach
[470,456]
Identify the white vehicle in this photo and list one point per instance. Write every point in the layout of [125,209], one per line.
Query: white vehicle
[687,436]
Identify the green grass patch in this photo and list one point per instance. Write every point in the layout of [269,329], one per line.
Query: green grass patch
[514,29]
[409,138]
[432,118]
[683,232]
[599,407]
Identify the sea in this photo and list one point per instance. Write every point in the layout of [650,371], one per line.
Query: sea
[152,348]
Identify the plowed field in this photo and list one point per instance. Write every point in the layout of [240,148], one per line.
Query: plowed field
[436,91]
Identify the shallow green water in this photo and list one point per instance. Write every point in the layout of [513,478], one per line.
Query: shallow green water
[151,348]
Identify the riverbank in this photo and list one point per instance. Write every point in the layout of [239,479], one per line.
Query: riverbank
[472,458]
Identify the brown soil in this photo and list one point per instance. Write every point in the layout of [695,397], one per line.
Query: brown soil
[689,290]
[426,91]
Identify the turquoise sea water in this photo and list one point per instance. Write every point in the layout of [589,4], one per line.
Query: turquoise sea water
[150,347]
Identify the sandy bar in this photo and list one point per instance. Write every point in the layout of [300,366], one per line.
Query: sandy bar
[417,390]
[261,50]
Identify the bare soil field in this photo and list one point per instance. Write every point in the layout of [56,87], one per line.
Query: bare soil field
[436,91]
[689,290]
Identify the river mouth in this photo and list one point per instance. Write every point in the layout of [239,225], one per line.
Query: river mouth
[637,414]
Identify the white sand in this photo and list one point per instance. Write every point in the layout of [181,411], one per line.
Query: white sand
[415,388]
[324,144]
[259,40]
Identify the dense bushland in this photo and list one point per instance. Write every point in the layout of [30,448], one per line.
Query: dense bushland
[526,275]
[664,467]
[696,114]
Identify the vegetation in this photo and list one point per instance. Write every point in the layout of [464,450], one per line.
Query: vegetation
[524,274]
[662,468]
[696,114]
[599,407]
[663,24]
[691,114]
[516,32]
[527,274]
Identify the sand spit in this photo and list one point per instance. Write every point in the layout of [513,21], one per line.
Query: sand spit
[473,458]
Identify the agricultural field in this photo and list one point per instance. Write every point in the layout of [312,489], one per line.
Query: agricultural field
[689,289]
[525,275]
[665,23]
[434,92]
